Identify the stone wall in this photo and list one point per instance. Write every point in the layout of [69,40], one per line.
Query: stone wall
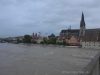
[93,68]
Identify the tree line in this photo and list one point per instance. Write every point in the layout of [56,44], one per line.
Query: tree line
[50,40]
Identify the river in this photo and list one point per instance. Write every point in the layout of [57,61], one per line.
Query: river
[30,59]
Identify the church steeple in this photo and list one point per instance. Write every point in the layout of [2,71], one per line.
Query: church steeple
[82,19]
[82,25]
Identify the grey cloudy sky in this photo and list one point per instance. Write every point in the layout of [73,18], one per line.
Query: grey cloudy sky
[19,17]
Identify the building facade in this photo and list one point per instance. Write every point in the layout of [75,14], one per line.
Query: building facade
[91,39]
[73,41]
[75,32]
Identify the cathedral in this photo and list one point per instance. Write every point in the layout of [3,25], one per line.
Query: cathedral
[75,32]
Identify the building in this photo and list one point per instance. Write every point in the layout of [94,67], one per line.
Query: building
[75,32]
[91,39]
[36,37]
[20,37]
[72,32]
[61,38]
[73,41]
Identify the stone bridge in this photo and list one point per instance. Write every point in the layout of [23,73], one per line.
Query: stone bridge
[93,68]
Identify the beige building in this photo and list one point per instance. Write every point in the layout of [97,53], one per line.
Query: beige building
[73,41]
[39,39]
[91,39]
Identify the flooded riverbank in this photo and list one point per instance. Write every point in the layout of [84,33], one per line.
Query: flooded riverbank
[19,59]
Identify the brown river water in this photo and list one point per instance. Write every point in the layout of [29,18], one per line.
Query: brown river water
[29,59]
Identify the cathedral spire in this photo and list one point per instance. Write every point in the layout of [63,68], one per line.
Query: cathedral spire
[82,19]
[82,25]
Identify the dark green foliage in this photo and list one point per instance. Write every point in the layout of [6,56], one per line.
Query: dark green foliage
[41,42]
[6,40]
[34,42]
[19,41]
[59,43]
[52,40]
[27,39]
[52,35]
[64,42]
[45,41]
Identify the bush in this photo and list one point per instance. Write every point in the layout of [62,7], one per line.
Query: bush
[41,42]
[34,42]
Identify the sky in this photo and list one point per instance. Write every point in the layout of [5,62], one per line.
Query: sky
[20,17]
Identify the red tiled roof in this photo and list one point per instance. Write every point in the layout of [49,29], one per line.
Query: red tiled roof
[92,35]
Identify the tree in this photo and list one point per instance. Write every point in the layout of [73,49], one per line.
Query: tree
[59,43]
[34,42]
[27,39]
[52,39]
[41,42]
[45,41]
[64,42]
[52,35]
[19,41]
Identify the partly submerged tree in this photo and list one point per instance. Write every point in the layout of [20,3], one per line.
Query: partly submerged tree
[27,39]
[52,39]
[64,42]
[34,42]
[52,35]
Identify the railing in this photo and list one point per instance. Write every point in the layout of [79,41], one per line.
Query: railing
[93,68]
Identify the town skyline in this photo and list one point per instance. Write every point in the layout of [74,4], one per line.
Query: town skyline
[22,17]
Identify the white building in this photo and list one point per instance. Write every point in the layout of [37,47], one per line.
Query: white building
[91,39]
[91,45]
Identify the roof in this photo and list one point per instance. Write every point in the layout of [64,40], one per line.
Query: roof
[92,35]
[63,37]
[72,30]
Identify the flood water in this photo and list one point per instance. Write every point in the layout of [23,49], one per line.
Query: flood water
[24,59]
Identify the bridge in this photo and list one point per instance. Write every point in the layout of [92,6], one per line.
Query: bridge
[93,68]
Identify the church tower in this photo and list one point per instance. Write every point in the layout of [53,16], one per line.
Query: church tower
[82,26]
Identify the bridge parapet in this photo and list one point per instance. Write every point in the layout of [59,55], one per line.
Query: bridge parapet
[93,68]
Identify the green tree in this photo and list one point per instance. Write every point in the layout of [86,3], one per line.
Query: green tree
[52,39]
[34,42]
[27,39]
[41,42]
[19,41]
[59,43]
[45,41]
[52,35]
[64,42]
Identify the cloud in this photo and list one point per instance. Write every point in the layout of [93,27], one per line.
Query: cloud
[19,17]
